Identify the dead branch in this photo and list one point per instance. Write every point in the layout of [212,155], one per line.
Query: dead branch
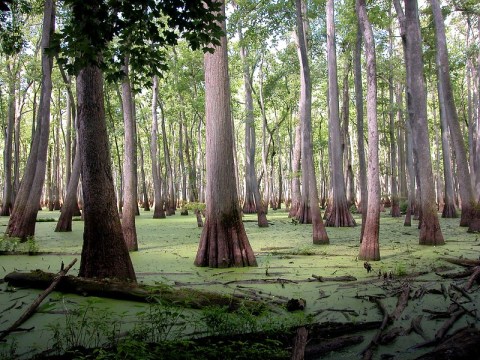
[29,312]
[401,303]
[367,353]
[475,277]
[416,326]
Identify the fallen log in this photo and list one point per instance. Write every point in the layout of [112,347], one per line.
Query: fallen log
[300,343]
[336,278]
[442,331]
[316,351]
[29,312]
[401,303]
[457,275]
[475,277]
[367,353]
[462,262]
[122,290]
[463,344]
[416,327]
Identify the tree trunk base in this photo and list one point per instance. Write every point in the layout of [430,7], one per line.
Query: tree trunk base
[449,211]
[430,233]
[304,214]
[340,216]
[224,244]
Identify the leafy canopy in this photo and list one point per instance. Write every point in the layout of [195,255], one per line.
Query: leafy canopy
[101,32]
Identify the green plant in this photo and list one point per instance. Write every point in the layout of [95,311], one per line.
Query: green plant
[400,269]
[46,220]
[8,350]
[85,327]
[160,322]
[9,243]
[32,245]
[403,206]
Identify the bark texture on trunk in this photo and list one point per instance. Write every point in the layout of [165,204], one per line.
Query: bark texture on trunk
[223,242]
[295,183]
[339,214]
[7,201]
[309,208]
[362,167]
[253,202]
[24,213]
[430,232]
[70,204]
[465,187]
[369,247]
[104,252]
[158,211]
[129,169]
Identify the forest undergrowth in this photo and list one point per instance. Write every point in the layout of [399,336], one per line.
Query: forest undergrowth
[400,307]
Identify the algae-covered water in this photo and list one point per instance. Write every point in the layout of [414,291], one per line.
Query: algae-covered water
[287,264]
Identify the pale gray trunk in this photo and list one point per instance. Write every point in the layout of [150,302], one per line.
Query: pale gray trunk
[339,215]
[362,167]
[22,219]
[430,232]
[157,185]
[465,185]
[449,209]
[295,183]
[369,248]
[129,168]
[7,201]
[309,208]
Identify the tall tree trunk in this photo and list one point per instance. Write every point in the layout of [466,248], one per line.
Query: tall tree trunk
[223,242]
[449,208]
[192,176]
[469,215]
[477,135]
[362,167]
[7,201]
[70,205]
[339,214]
[402,157]
[104,252]
[170,205]
[145,202]
[369,247]
[158,212]
[295,183]
[56,161]
[395,209]
[430,232]
[129,168]
[349,175]
[309,207]
[183,172]
[24,214]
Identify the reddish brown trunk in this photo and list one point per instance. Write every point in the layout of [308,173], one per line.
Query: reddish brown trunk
[223,241]
[104,251]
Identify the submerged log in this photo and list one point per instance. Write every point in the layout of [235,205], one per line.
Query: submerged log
[462,262]
[29,312]
[336,278]
[463,344]
[122,290]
